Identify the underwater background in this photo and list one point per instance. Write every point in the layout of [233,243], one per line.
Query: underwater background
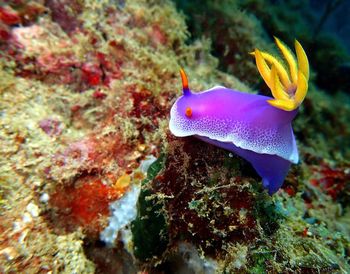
[93,181]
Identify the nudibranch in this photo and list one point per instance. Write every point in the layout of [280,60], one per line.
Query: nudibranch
[255,127]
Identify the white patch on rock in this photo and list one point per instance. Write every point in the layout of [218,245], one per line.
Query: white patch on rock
[145,164]
[44,198]
[124,211]
[33,209]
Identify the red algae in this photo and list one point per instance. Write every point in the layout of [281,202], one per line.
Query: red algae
[290,185]
[95,154]
[4,32]
[84,204]
[147,105]
[111,64]
[142,102]
[332,181]
[9,16]
[92,74]
[60,65]
[158,36]
[290,190]
[65,13]
[99,95]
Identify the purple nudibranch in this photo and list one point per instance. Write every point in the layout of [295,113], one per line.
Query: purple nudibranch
[255,127]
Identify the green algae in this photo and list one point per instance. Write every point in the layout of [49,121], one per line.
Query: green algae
[259,259]
[150,226]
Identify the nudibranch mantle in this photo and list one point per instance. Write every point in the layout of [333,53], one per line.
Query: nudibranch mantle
[247,124]
[230,116]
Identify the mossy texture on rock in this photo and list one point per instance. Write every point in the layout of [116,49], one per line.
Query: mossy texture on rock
[85,93]
[233,34]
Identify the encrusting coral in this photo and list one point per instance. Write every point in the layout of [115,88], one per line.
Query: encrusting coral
[86,88]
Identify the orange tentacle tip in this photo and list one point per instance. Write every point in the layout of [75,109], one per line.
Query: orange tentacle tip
[184,79]
[188,112]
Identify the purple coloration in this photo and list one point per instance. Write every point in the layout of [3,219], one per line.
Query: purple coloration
[271,168]
[242,123]
[51,127]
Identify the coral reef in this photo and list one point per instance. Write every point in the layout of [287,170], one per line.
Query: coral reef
[85,93]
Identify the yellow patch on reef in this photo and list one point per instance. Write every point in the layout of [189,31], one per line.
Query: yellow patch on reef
[123,181]
[288,85]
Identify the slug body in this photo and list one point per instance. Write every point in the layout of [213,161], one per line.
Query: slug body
[250,125]
[242,123]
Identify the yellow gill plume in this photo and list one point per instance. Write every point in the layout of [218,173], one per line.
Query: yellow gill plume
[288,86]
